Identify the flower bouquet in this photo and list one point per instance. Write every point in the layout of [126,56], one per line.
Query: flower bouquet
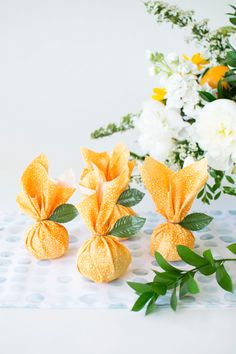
[192,111]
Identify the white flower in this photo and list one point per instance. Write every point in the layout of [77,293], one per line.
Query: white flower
[158,125]
[182,92]
[216,133]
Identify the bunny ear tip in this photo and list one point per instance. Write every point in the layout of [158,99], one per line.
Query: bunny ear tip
[41,159]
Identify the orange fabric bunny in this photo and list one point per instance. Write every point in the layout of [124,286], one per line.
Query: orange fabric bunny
[173,194]
[103,258]
[40,197]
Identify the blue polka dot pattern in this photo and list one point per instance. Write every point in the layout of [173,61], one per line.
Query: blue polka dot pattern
[26,282]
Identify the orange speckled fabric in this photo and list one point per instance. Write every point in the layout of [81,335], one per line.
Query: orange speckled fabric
[173,194]
[103,258]
[104,168]
[39,198]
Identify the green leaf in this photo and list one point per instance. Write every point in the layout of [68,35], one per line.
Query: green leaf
[229,190]
[164,264]
[206,96]
[192,285]
[213,173]
[183,290]
[173,300]
[130,197]
[220,89]
[232,248]
[207,254]
[64,213]
[233,20]
[230,179]
[209,196]
[217,196]
[200,194]
[151,305]
[207,270]
[165,277]
[196,221]
[223,278]
[231,79]
[140,287]
[231,58]
[127,226]
[190,257]
[141,301]
[159,288]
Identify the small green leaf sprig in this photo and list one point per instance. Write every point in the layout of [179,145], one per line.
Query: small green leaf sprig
[181,282]
[129,225]
[64,213]
[216,42]
[126,123]
[222,184]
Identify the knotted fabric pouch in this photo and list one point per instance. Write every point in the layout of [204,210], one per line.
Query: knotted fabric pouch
[39,199]
[173,194]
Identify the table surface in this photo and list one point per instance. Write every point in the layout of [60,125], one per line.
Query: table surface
[117,331]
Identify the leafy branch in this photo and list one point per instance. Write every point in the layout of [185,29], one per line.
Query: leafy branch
[181,282]
[127,123]
[213,191]
[216,42]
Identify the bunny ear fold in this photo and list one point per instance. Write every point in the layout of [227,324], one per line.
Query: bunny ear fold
[100,159]
[173,192]
[157,178]
[41,194]
[35,177]
[185,186]
[110,192]
[119,161]
[88,209]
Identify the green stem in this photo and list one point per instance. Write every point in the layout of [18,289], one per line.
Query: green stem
[194,270]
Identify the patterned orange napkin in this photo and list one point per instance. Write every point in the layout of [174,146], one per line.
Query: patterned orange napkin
[103,258]
[104,168]
[173,194]
[39,199]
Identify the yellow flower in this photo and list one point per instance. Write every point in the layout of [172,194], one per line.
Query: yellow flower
[214,75]
[159,93]
[198,60]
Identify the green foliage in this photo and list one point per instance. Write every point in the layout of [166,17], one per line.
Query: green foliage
[206,96]
[181,282]
[183,149]
[130,197]
[127,226]
[233,16]
[213,191]
[127,123]
[232,248]
[223,278]
[216,42]
[137,157]
[64,213]
[196,221]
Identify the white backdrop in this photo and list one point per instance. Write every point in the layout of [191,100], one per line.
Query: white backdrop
[68,67]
